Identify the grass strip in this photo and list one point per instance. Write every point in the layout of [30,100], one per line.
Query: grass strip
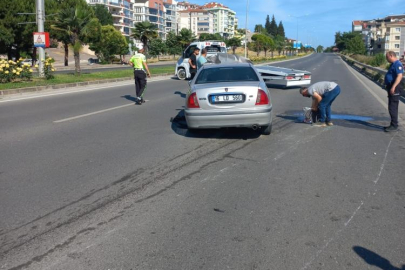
[84,77]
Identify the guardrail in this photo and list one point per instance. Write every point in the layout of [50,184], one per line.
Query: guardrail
[373,73]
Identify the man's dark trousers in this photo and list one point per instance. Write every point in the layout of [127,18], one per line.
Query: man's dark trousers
[140,82]
[393,103]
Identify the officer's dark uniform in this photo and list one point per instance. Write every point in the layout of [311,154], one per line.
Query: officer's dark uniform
[393,100]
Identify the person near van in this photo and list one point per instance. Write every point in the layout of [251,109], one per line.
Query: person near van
[323,94]
[138,61]
[202,59]
[192,61]
[392,81]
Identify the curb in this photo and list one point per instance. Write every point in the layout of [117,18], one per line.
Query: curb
[67,85]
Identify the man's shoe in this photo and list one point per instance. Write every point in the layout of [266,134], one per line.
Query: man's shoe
[319,124]
[142,100]
[390,128]
[329,124]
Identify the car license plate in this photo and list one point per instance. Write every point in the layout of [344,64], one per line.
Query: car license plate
[230,98]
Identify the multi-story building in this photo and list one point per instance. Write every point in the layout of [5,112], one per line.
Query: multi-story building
[224,19]
[121,11]
[199,21]
[382,35]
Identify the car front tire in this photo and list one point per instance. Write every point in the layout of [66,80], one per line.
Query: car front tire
[181,74]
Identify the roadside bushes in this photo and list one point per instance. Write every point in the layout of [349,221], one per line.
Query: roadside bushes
[11,71]
[377,60]
[48,68]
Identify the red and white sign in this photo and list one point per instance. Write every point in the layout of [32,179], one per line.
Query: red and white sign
[41,39]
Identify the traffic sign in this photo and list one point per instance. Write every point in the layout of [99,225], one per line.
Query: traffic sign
[41,39]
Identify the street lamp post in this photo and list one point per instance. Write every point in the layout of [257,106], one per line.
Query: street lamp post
[246,26]
[297,17]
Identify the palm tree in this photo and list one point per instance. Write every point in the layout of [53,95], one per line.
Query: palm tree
[185,37]
[145,31]
[81,27]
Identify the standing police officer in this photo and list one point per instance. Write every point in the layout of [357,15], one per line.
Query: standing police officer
[393,82]
[138,61]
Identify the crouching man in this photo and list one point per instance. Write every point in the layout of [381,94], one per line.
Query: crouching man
[323,94]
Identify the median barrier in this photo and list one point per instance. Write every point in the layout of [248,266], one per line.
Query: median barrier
[373,73]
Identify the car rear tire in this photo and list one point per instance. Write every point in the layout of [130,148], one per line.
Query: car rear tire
[266,130]
[181,74]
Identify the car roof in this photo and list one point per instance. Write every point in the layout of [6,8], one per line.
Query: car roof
[235,64]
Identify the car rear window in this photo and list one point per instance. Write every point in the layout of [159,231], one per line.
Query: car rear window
[226,74]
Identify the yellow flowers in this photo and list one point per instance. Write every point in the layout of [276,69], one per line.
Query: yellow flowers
[14,71]
[48,67]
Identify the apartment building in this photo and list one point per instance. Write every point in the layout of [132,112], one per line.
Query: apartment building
[382,35]
[121,11]
[199,21]
[224,19]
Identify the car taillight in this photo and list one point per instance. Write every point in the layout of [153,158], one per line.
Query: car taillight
[307,76]
[193,101]
[289,77]
[262,98]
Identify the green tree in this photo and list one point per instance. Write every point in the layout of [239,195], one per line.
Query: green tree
[356,45]
[262,43]
[102,14]
[185,37]
[81,26]
[273,27]
[259,28]
[319,49]
[16,38]
[172,44]
[279,43]
[111,43]
[145,31]
[157,47]
[280,30]
[234,43]
[206,36]
[267,24]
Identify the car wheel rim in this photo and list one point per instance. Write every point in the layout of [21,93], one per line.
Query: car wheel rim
[181,74]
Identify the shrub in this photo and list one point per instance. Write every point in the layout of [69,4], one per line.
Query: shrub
[48,68]
[378,60]
[11,71]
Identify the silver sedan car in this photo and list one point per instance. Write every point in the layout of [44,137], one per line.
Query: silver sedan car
[229,95]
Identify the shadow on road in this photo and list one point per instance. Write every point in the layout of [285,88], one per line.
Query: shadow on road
[130,98]
[180,94]
[374,259]
[179,125]
[344,120]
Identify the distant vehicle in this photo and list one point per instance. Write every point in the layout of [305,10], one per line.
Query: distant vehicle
[213,47]
[284,77]
[27,61]
[229,95]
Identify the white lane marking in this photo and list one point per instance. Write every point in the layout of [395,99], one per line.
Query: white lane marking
[65,91]
[383,164]
[336,234]
[92,113]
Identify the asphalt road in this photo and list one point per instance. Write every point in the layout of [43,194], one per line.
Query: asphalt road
[90,181]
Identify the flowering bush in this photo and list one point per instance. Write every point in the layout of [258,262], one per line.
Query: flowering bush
[11,71]
[48,68]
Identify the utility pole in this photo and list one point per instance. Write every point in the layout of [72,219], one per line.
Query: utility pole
[246,27]
[40,22]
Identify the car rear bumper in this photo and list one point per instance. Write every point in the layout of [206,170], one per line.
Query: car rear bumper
[197,119]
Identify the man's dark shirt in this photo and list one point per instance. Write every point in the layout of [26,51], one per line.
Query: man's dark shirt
[194,62]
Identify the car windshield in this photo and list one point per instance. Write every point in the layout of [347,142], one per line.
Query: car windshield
[226,74]
[215,49]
